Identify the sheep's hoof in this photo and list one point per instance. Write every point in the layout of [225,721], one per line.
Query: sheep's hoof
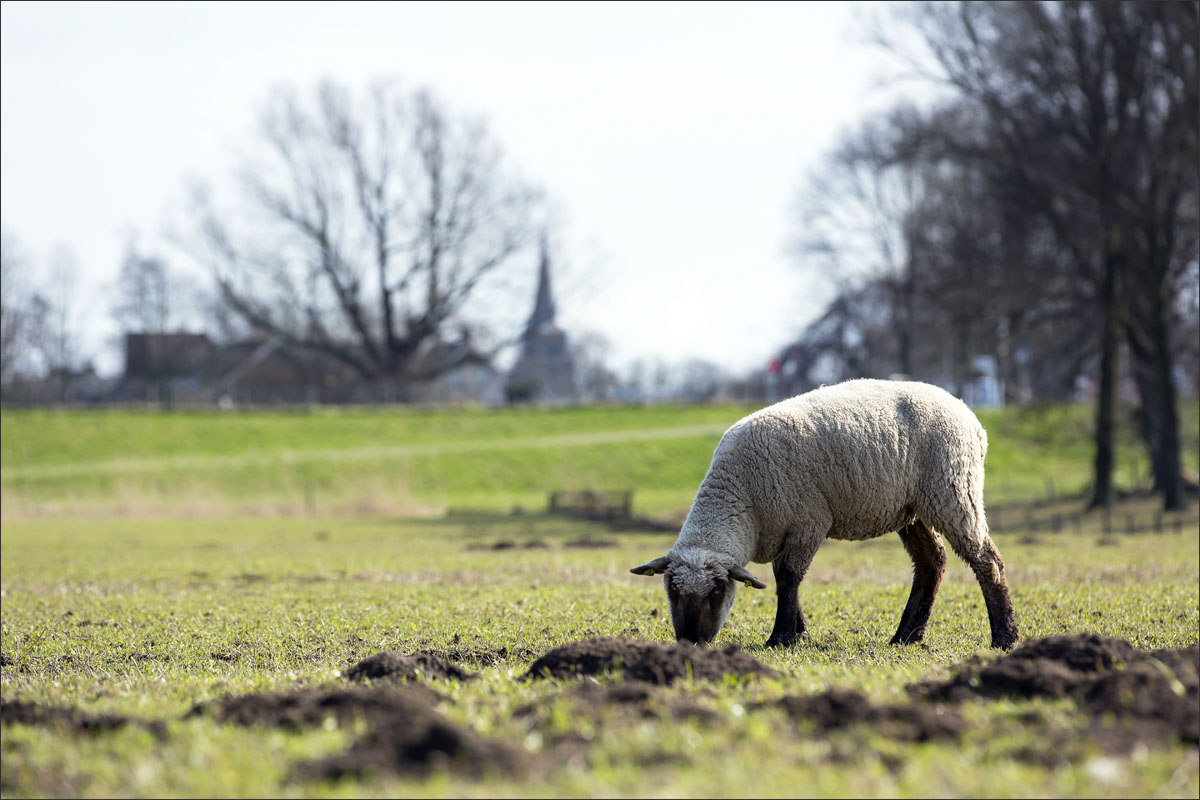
[910,637]
[782,640]
[1005,642]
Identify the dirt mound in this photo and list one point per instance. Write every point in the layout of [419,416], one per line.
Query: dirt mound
[1183,661]
[641,660]
[1057,666]
[417,746]
[505,544]
[641,697]
[26,713]
[838,708]
[632,693]
[644,700]
[589,544]
[394,666]
[309,707]
[407,736]
[1088,652]
[1148,694]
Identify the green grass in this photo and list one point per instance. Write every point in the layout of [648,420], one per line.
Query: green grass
[1029,448]
[147,617]
[403,460]
[150,561]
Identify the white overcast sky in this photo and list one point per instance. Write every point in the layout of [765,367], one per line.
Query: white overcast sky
[671,137]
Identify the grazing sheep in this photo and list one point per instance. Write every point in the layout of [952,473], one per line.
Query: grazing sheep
[850,461]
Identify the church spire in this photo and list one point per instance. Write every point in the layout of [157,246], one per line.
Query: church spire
[545,369]
[543,308]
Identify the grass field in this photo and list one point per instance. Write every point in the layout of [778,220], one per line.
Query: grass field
[148,617]
[413,461]
[134,581]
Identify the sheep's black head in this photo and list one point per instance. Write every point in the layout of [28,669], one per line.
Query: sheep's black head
[700,590]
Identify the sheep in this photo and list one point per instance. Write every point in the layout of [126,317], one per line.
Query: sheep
[851,461]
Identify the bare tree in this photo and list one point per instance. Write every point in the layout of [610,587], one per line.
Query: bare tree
[145,298]
[1090,112]
[55,322]
[365,228]
[152,304]
[852,217]
[14,312]
[594,377]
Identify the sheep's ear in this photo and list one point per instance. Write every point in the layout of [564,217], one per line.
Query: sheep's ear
[655,567]
[743,575]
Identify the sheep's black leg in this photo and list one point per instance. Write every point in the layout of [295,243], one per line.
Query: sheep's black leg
[789,619]
[989,570]
[929,564]
[988,567]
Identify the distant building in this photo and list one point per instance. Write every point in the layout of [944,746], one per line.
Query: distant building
[190,368]
[472,379]
[545,369]
[163,367]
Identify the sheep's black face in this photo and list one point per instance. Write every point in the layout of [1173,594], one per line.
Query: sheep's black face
[698,607]
[700,590]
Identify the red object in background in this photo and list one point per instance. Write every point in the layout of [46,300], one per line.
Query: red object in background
[774,367]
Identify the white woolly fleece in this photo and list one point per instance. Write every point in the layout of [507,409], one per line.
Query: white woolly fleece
[850,461]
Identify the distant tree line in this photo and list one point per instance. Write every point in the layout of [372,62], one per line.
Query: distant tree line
[1043,211]
[365,230]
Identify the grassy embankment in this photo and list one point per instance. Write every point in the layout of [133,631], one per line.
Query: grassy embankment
[411,461]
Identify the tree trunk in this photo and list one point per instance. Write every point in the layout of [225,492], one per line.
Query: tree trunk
[1168,477]
[1106,391]
[1147,419]
[1153,366]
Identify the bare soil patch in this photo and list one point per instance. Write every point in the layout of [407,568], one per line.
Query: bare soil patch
[538,544]
[30,713]
[641,697]
[839,708]
[309,707]
[417,745]
[640,660]
[392,666]
[589,544]
[1135,695]
[407,735]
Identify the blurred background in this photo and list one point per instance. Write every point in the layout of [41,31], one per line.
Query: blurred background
[232,206]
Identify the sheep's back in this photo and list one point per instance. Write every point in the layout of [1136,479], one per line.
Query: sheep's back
[867,453]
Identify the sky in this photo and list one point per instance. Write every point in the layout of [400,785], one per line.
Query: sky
[671,139]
